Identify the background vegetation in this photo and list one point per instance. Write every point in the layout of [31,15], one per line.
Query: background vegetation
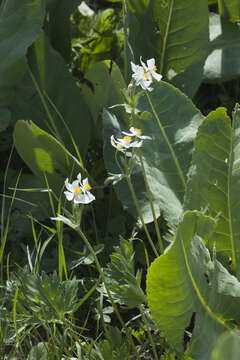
[159,280]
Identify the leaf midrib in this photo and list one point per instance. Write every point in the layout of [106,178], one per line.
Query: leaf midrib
[165,37]
[196,289]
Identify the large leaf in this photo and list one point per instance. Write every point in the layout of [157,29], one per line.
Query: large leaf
[20,24]
[214,180]
[185,282]
[59,26]
[227,346]
[166,157]
[223,62]
[56,82]
[103,89]
[229,9]
[44,155]
[171,32]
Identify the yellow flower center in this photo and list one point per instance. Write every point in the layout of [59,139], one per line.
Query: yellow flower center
[138,131]
[127,139]
[154,68]
[119,146]
[87,187]
[145,75]
[77,191]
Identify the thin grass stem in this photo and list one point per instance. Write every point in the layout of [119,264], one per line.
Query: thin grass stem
[148,332]
[140,214]
[89,246]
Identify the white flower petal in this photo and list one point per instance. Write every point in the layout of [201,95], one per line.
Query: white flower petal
[69,195]
[151,63]
[75,184]
[137,144]
[85,181]
[156,76]
[68,185]
[79,177]
[128,134]
[144,137]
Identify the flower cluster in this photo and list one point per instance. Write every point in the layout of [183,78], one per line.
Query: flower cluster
[79,191]
[144,75]
[132,139]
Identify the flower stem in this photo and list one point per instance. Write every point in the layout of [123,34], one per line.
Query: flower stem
[89,246]
[140,214]
[148,332]
[151,203]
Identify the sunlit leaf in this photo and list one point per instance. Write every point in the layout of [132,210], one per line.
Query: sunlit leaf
[166,157]
[229,9]
[223,62]
[214,180]
[184,282]
[170,31]
[227,346]
[44,155]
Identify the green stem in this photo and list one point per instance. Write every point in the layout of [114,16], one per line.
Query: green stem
[167,142]
[89,246]
[140,214]
[151,203]
[148,332]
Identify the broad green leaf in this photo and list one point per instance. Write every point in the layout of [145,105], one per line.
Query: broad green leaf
[138,6]
[172,33]
[104,89]
[57,87]
[20,24]
[166,157]
[229,9]
[227,346]
[44,155]
[59,26]
[5,118]
[185,282]
[39,352]
[223,62]
[214,180]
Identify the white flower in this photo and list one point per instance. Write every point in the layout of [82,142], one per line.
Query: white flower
[79,191]
[124,144]
[141,77]
[151,69]
[144,75]
[85,10]
[138,133]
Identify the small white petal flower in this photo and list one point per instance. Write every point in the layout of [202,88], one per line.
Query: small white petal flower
[141,77]
[79,191]
[138,133]
[119,146]
[152,69]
